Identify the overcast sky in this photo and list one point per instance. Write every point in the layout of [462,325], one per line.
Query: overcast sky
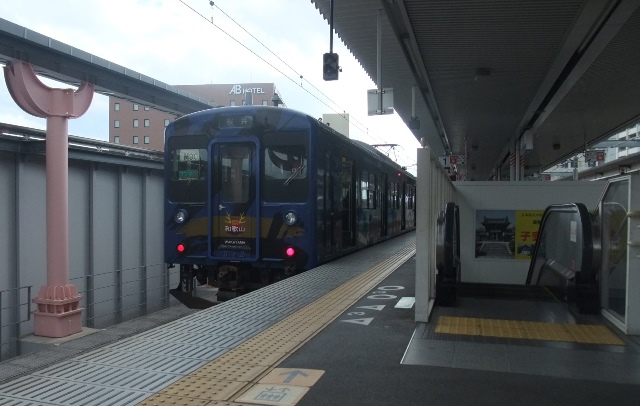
[175,42]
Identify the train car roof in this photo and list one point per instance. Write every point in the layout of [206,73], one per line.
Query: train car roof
[371,150]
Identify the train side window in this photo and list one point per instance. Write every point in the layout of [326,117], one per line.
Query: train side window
[394,195]
[285,175]
[187,168]
[373,188]
[411,197]
[368,190]
[364,189]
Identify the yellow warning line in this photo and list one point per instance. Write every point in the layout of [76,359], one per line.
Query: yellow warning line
[227,377]
[528,330]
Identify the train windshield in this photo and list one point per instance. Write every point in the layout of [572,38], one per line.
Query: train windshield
[188,160]
[285,173]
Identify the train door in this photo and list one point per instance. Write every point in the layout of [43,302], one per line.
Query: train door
[403,205]
[234,205]
[347,199]
[327,209]
[384,205]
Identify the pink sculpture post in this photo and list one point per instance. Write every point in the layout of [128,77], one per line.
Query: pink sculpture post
[58,313]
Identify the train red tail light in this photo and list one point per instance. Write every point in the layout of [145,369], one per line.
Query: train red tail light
[181,248]
[290,252]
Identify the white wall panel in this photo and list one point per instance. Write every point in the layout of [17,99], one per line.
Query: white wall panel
[32,223]
[115,238]
[79,225]
[8,259]
[474,196]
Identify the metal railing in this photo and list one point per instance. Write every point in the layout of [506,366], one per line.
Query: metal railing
[120,311]
[130,298]
[10,332]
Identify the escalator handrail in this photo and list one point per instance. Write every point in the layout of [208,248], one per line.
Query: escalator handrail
[448,242]
[590,241]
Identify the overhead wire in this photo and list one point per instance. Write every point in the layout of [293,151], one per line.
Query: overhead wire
[210,21]
[365,130]
[302,78]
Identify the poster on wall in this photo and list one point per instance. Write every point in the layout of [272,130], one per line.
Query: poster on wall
[527,226]
[506,234]
[495,234]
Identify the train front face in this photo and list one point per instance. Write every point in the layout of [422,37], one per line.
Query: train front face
[238,191]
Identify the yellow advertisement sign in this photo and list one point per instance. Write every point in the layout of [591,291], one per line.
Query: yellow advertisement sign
[527,226]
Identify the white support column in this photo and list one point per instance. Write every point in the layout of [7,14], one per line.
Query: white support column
[424,223]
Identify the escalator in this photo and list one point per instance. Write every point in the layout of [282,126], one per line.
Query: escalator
[448,255]
[564,265]
[566,258]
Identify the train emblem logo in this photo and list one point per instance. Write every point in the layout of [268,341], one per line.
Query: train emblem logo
[235,225]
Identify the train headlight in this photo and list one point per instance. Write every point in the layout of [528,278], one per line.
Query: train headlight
[290,218]
[181,216]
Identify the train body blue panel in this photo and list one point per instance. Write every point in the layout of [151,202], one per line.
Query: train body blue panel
[261,192]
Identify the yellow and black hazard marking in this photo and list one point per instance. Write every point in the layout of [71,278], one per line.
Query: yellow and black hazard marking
[528,330]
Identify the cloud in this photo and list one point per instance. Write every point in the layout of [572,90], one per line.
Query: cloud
[191,44]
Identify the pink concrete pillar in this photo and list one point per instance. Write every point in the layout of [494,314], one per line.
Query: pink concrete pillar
[58,313]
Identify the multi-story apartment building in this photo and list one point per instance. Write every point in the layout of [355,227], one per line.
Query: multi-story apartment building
[141,126]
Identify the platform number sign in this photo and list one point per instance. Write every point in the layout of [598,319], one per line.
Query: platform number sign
[450,160]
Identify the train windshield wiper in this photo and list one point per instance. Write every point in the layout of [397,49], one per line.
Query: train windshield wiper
[293,175]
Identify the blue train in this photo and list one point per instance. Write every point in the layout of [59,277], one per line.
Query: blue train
[255,193]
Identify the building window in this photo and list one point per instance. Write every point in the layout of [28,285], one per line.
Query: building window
[116,123]
[135,123]
[244,102]
[116,107]
[146,122]
[232,103]
[146,139]
[116,139]
[622,138]
[166,122]
[265,102]
[135,107]
[135,139]
[146,108]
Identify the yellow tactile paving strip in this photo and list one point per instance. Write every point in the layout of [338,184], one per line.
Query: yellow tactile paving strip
[528,330]
[230,375]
